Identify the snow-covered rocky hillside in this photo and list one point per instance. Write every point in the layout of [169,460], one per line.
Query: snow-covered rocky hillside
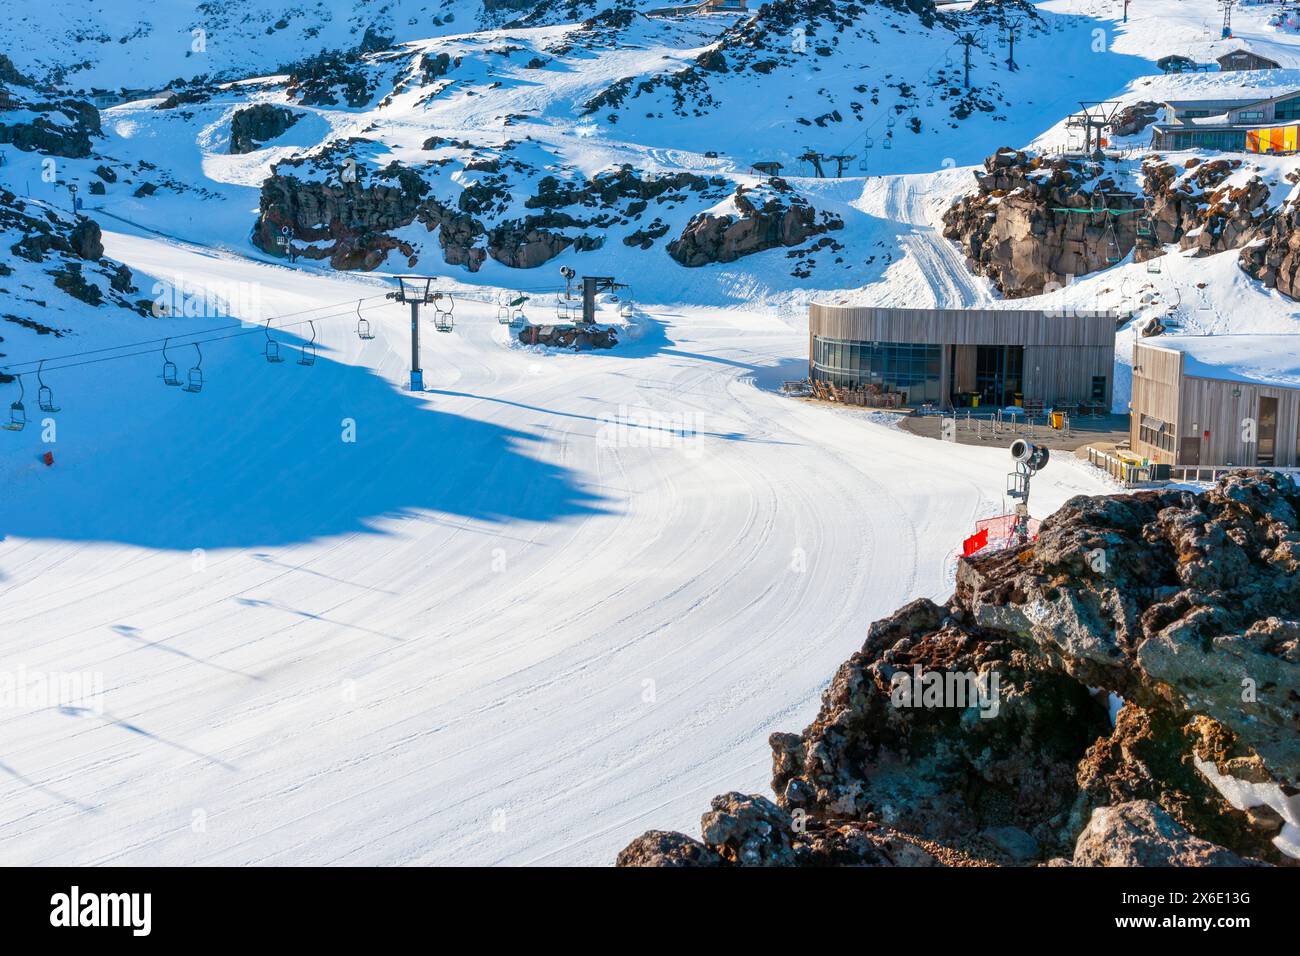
[555,598]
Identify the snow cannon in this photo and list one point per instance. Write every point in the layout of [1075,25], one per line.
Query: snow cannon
[1032,456]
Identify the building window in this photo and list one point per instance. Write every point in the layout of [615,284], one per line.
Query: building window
[1287,109]
[1253,115]
[1099,388]
[1152,431]
[911,369]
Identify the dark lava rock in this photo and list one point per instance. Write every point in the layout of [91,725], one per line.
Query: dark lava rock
[1195,207]
[1165,598]
[255,125]
[1141,834]
[68,136]
[664,848]
[87,240]
[1275,259]
[1034,222]
[768,215]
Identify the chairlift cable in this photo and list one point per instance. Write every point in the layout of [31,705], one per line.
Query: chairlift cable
[165,339]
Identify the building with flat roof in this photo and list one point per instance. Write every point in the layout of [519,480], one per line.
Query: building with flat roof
[1217,400]
[1227,124]
[945,356]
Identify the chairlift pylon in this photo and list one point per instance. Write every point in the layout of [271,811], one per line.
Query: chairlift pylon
[170,375]
[44,394]
[17,412]
[363,326]
[195,382]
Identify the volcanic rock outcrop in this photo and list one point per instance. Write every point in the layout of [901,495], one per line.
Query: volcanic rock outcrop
[1274,258]
[769,215]
[347,219]
[1135,118]
[39,122]
[70,253]
[1034,223]
[1207,206]
[255,125]
[979,731]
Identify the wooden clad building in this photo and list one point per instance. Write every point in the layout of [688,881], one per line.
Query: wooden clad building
[1217,400]
[1244,59]
[945,356]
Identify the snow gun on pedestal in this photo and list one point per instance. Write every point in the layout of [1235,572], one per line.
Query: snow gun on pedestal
[1010,530]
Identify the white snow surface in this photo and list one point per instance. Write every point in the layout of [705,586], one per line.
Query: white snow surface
[1263,359]
[556,600]
[501,603]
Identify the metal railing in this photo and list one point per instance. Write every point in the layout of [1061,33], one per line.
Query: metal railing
[1215,472]
[997,424]
[1128,473]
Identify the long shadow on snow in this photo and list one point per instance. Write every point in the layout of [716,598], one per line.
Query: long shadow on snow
[257,459]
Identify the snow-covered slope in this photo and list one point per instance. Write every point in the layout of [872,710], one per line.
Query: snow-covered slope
[558,597]
[519,620]
[104,44]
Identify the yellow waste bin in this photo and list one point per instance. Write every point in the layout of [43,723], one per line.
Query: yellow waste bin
[974,400]
[1058,420]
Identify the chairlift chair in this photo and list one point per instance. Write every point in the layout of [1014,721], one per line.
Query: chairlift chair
[516,306]
[195,383]
[1112,246]
[442,318]
[17,413]
[363,326]
[308,356]
[44,394]
[170,375]
[1153,266]
[272,349]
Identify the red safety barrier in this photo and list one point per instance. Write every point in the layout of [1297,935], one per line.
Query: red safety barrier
[996,533]
[975,542]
